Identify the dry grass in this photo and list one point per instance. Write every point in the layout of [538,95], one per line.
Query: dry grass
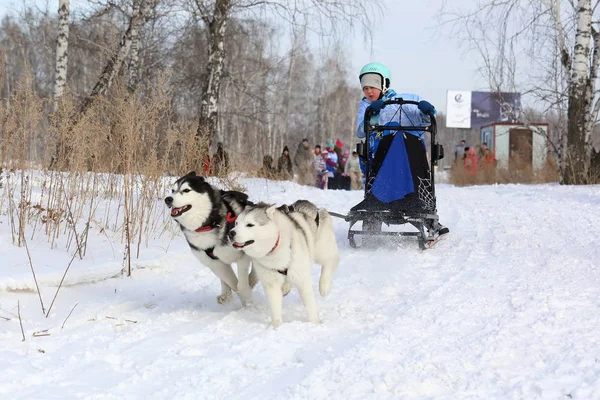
[64,176]
[108,169]
[520,174]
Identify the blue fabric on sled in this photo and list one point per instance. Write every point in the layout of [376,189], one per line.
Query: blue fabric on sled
[394,179]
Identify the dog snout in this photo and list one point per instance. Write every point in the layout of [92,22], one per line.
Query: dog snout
[231,234]
[169,200]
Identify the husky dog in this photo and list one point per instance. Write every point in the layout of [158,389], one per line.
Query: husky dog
[205,215]
[283,243]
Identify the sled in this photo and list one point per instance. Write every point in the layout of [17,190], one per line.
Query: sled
[396,167]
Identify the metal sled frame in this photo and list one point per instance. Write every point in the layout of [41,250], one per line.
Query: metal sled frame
[390,218]
[372,220]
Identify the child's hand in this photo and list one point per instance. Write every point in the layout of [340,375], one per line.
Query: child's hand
[426,107]
[377,105]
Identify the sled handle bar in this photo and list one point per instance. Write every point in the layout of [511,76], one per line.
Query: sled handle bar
[411,128]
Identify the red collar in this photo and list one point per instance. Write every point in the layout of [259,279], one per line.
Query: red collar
[207,228]
[276,244]
[229,218]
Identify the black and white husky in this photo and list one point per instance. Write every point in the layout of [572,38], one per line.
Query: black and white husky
[283,243]
[205,215]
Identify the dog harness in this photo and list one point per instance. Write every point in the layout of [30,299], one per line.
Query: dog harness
[290,208]
[228,218]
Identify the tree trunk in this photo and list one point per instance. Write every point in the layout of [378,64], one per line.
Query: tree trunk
[63,150]
[209,109]
[134,63]
[578,149]
[116,61]
[288,91]
[145,8]
[62,46]
[6,80]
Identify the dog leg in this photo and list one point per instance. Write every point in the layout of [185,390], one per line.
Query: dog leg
[329,263]
[253,278]
[327,269]
[271,283]
[228,278]
[275,303]
[244,288]
[308,298]
[286,288]
[325,281]
[225,295]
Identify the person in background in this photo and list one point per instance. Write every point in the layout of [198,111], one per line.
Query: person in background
[268,171]
[344,160]
[320,169]
[332,166]
[220,163]
[206,169]
[345,182]
[459,151]
[471,161]
[482,150]
[318,150]
[338,148]
[353,169]
[284,165]
[488,160]
[303,163]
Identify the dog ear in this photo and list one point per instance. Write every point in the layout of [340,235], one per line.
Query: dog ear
[271,211]
[191,173]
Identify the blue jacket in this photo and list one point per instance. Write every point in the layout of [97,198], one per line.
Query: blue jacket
[410,115]
[394,180]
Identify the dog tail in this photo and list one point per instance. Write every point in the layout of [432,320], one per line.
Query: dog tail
[325,232]
[327,251]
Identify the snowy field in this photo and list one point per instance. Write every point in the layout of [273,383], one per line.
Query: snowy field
[507,307]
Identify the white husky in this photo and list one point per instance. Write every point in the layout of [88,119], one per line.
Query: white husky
[283,243]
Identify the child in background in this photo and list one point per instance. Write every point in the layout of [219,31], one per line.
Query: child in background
[320,168]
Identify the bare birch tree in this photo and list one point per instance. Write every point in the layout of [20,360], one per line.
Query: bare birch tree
[320,15]
[62,46]
[139,14]
[546,49]
[115,62]
[146,9]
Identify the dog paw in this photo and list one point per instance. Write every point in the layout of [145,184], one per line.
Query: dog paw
[286,288]
[223,298]
[324,288]
[245,297]
[253,279]
[276,323]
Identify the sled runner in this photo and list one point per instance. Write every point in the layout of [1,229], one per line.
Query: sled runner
[399,180]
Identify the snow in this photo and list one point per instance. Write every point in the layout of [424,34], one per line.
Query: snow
[507,307]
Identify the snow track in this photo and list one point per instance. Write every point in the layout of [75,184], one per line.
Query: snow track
[505,308]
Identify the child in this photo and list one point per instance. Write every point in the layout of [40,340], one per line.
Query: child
[375,80]
[320,164]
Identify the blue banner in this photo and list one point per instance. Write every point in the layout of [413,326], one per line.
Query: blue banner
[491,107]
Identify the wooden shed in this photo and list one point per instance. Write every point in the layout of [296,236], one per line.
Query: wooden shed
[517,146]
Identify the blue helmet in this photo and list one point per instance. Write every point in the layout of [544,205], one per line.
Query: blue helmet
[379,69]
